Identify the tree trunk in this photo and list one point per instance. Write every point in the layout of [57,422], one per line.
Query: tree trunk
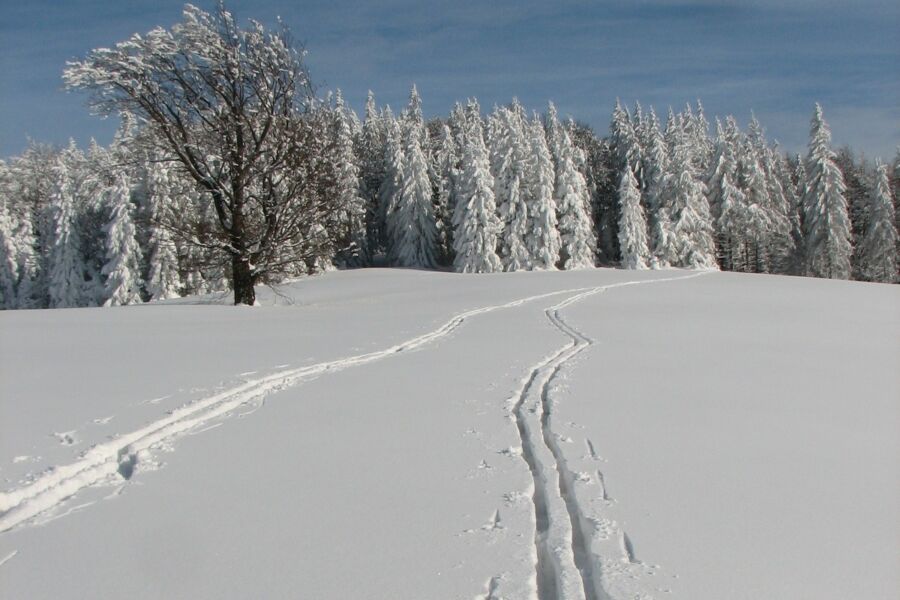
[243,281]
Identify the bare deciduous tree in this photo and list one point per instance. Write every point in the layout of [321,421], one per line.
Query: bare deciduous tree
[229,107]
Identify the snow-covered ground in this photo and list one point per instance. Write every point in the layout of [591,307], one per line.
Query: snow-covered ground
[408,434]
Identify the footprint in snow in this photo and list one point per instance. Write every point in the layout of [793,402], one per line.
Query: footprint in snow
[66,438]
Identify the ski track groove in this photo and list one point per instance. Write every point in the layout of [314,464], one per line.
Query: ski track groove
[103,461]
[565,566]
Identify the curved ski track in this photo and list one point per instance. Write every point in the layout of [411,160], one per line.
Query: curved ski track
[566,564]
[117,458]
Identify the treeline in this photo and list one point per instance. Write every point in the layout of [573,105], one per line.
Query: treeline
[142,220]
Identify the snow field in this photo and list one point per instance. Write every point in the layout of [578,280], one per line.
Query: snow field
[501,453]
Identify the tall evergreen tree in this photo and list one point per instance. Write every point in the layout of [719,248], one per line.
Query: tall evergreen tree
[573,207]
[392,184]
[350,204]
[163,279]
[9,269]
[656,163]
[632,225]
[719,186]
[65,269]
[878,249]
[826,223]
[412,222]
[542,238]
[122,269]
[691,223]
[475,221]
[508,155]
[372,153]
[444,174]
[626,143]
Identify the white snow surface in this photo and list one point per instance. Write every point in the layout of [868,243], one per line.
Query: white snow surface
[598,434]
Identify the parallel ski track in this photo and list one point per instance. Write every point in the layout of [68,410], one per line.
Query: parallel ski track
[565,566]
[117,457]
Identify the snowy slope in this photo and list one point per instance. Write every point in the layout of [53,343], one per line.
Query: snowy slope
[407,434]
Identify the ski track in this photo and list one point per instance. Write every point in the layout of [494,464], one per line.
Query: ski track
[569,560]
[113,460]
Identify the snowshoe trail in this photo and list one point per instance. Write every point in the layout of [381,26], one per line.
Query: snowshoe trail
[570,556]
[120,458]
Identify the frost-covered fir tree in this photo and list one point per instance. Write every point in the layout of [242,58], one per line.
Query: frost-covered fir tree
[825,220]
[475,222]
[573,208]
[392,184]
[542,238]
[350,204]
[626,143]
[122,269]
[412,119]
[731,223]
[720,180]
[878,249]
[758,224]
[9,269]
[655,163]
[443,174]
[371,158]
[163,279]
[632,224]
[412,222]
[64,265]
[690,218]
[508,153]
[24,242]
[705,147]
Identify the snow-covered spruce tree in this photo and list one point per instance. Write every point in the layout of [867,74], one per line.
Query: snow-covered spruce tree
[371,158]
[542,238]
[392,184]
[774,244]
[475,222]
[626,144]
[895,187]
[782,170]
[799,177]
[122,269]
[573,208]
[722,173]
[632,224]
[878,249]
[691,224]
[757,224]
[508,154]
[412,223]
[9,269]
[349,202]
[26,261]
[554,133]
[704,146]
[731,224]
[443,190]
[411,118]
[780,242]
[663,248]
[458,127]
[163,279]
[655,163]
[825,220]
[64,265]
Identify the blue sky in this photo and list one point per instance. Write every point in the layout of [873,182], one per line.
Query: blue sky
[774,57]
